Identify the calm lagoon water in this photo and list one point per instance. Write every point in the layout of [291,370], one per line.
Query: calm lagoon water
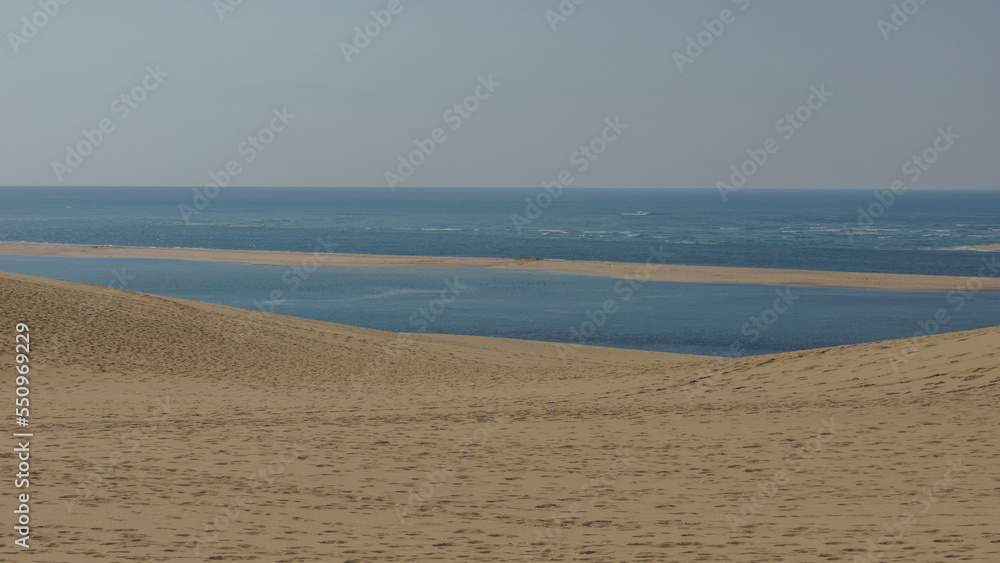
[692,318]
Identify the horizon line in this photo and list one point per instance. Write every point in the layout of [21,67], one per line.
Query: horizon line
[921,189]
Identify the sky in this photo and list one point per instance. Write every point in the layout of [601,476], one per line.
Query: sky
[349,94]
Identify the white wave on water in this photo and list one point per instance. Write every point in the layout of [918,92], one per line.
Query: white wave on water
[972,248]
[604,234]
[637,213]
[399,293]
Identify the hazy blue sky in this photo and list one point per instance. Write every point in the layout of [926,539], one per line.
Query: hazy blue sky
[557,87]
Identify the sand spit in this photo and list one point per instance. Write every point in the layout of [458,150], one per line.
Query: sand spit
[656,271]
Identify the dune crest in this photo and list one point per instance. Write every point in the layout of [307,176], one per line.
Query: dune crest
[169,428]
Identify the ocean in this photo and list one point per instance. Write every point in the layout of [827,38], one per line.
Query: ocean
[919,232]
[916,232]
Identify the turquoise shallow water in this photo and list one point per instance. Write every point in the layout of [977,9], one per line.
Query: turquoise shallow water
[538,305]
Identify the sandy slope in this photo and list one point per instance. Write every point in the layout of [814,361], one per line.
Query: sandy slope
[656,269]
[306,441]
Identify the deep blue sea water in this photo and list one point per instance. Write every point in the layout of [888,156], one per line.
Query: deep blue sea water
[920,232]
[538,305]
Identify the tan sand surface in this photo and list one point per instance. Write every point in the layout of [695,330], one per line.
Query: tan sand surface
[656,271]
[988,247]
[162,424]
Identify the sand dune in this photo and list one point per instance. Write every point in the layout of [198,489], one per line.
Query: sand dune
[296,440]
[656,270]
